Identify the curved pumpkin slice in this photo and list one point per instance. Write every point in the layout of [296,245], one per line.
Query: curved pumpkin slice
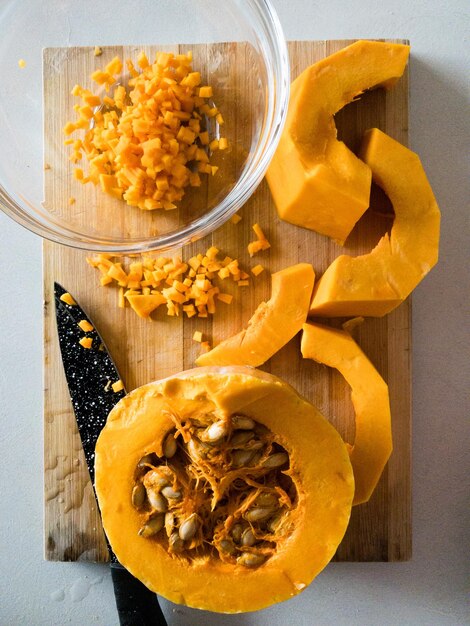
[373,441]
[374,284]
[315,180]
[272,325]
[319,470]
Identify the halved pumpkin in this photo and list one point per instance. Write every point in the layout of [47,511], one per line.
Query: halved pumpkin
[272,325]
[375,283]
[313,488]
[315,180]
[369,394]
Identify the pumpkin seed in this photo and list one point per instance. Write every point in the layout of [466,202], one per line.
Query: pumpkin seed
[255,445]
[275,460]
[237,532]
[170,493]
[241,457]
[258,514]
[176,543]
[241,422]
[241,438]
[170,446]
[155,479]
[157,501]
[169,523]
[152,527]
[273,523]
[267,499]
[215,432]
[256,459]
[189,527]
[227,546]
[145,461]
[196,449]
[248,538]
[138,495]
[250,559]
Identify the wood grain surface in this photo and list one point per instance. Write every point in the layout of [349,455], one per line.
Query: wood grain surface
[148,350]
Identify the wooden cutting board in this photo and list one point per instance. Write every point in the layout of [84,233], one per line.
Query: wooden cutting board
[148,350]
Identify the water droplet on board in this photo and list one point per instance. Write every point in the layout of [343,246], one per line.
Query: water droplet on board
[79,590]
[58,595]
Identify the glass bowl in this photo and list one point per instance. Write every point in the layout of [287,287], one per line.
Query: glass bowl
[47,47]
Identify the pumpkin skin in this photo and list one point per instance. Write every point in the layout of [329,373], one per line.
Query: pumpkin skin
[315,180]
[272,325]
[319,467]
[374,284]
[369,394]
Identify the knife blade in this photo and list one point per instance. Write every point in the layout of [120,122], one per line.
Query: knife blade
[90,374]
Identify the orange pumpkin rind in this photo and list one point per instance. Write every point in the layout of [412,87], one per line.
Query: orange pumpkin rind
[369,394]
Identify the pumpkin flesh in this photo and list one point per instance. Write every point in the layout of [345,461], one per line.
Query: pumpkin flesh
[369,394]
[319,468]
[272,325]
[315,180]
[374,284]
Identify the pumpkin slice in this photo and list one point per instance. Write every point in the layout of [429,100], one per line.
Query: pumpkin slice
[315,180]
[222,488]
[374,284]
[272,325]
[373,441]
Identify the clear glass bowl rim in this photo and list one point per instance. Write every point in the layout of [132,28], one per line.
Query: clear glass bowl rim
[278,98]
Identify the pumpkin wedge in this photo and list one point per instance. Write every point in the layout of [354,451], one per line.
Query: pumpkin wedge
[222,488]
[315,180]
[375,283]
[144,305]
[272,325]
[369,394]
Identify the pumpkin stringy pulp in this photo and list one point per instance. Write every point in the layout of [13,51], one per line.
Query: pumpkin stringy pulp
[221,488]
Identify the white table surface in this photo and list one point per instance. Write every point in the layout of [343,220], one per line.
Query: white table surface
[432,588]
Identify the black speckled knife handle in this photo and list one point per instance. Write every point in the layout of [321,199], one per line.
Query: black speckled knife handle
[136,605]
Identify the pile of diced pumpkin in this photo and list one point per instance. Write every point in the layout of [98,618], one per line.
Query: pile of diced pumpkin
[146,143]
[185,287]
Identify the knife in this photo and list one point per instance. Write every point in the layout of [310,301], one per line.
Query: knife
[90,374]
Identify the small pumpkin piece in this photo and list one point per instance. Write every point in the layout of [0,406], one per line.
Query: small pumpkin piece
[257,270]
[273,324]
[374,284]
[351,324]
[86,326]
[369,394]
[144,305]
[67,298]
[86,342]
[117,386]
[325,187]
[261,243]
